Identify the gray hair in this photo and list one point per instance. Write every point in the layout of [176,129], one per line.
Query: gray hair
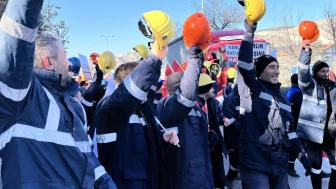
[45,45]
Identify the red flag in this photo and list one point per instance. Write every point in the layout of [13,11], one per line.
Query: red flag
[177,67]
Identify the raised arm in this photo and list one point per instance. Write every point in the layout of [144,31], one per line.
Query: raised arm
[305,80]
[132,91]
[18,30]
[176,107]
[245,59]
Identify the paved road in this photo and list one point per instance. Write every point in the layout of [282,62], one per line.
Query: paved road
[295,183]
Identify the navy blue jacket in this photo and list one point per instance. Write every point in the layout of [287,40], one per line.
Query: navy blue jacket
[267,124]
[43,128]
[232,111]
[127,134]
[189,165]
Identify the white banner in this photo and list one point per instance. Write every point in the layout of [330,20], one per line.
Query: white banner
[232,50]
[85,67]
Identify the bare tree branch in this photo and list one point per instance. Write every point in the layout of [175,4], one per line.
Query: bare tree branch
[329,13]
[178,30]
[220,13]
[49,25]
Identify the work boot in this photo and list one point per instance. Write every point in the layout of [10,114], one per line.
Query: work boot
[291,170]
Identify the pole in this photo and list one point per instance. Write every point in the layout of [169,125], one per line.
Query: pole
[106,37]
[203,6]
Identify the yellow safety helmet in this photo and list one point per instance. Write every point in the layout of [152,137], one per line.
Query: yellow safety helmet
[142,50]
[204,79]
[213,67]
[207,64]
[107,61]
[161,27]
[231,73]
[254,10]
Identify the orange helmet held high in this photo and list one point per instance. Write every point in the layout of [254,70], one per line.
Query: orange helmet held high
[197,31]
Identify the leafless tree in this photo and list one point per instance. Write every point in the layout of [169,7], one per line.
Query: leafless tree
[329,14]
[49,24]
[178,30]
[329,25]
[221,13]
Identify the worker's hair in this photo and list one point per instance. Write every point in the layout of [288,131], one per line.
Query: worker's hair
[45,45]
[123,70]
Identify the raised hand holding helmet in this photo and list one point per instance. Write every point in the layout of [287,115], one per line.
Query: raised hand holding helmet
[309,30]
[197,31]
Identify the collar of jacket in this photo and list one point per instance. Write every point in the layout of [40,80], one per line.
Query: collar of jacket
[200,101]
[52,82]
[271,86]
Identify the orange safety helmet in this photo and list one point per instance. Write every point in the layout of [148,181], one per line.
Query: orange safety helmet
[94,58]
[309,30]
[197,31]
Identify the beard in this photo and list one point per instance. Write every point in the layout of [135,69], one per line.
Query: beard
[66,80]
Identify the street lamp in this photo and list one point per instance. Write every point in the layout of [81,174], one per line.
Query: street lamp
[106,37]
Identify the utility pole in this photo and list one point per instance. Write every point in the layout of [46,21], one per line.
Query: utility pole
[106,37]
[203,6]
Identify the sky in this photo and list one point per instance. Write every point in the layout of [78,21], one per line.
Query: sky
[88,20]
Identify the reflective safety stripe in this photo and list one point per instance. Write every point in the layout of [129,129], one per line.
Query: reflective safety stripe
[135,119]
[153,88]
[195,113]
[292,135]
[18,30]
[266,96]
[99,171]
[241,110]
[246,66]
[37,134]
[221,128]
[303,84]
[269,97]
[314,99]
[285,107]
[107,138]
[142,121]
[310,123]
[303,66]
[333,167]
[86,103]
[84,146]
[316,171]
[133,89]
[54,113]
[233,168]
[13,94]
[186,102]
